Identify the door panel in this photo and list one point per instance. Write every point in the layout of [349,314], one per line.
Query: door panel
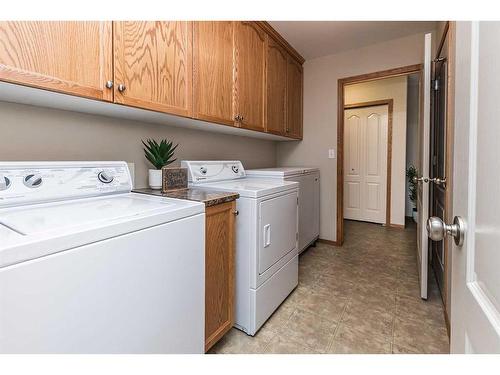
[475,300]
[365,165]
[153,60]
[423,168]
[278,220]
[276,68]
[250,74]
[213,72]
[43,55]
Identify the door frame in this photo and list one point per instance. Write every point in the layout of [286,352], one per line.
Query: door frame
[390,107]
[341,83]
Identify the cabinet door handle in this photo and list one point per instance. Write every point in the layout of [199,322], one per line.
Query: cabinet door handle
[236,212]
[121,87]
[109,84]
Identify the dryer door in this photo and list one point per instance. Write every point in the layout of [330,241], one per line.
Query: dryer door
[277,229]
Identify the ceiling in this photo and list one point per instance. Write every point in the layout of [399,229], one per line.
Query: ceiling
[320,38]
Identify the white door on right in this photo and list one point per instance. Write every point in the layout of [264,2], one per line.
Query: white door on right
[365,163]
[475,292]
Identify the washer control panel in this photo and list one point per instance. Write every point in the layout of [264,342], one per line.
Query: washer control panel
[23,182]
[212,171]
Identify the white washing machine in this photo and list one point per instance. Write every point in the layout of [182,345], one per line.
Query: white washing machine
[308,179]
[266,237]
[86,266]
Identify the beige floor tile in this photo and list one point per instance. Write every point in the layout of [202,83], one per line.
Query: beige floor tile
[310,330]
[419,337]
[348,340]
[369,320]
[238,342]
[281,345]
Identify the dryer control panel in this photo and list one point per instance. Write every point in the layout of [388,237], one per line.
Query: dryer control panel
[213,171]
[28,183]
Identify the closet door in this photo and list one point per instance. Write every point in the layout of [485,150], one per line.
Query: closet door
[69,57]
[153,65]
[365,164]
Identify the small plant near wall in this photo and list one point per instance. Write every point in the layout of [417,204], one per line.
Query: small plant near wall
[159,155]
[411,174]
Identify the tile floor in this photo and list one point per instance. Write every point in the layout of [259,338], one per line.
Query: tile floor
[359,298]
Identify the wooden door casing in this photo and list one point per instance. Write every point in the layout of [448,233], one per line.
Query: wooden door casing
[153,60]
[71,57]
[250,85]
[213,71]
[294,99]
[219,271]
[276,88]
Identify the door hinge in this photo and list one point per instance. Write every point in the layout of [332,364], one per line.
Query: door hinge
[435,85]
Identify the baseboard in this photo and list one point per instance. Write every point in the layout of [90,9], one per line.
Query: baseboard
[329,242]
[397,226]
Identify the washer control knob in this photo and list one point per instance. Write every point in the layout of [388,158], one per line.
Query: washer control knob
[203,170]
[105,177]
[33,180]
[235,168]
[4,182]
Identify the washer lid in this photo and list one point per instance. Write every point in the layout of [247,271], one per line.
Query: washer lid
[280,171]
[251,187]
[68,215]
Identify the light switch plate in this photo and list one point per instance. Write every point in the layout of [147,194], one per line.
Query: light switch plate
[331,153]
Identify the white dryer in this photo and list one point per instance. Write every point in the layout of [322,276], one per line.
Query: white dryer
[308,179]
[86,266]
[266,237]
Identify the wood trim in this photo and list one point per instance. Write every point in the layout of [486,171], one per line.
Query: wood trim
[450,121]
[396,226]
[443,38]
[328,242]
[404,70]
[390,109]
[401,71]
[278,38]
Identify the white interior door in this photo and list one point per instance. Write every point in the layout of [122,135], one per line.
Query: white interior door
[365,163]
[475,298]
[423,169]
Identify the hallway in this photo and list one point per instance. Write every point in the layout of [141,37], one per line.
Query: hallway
[359,298]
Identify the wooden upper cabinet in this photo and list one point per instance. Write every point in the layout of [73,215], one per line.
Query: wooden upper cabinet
[213,70]
[294,99]
[276,67]
[153,65]
[69,57]
[250,75]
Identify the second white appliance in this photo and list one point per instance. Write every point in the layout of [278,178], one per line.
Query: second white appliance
[266,237]
[308,179]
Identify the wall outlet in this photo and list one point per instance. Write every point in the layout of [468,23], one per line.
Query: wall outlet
[331,153]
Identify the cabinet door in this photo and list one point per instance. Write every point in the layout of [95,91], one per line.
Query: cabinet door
[219,272]
[294,99]
[276,67]
[250,75]
[213,71]
[68,57]
[153,65]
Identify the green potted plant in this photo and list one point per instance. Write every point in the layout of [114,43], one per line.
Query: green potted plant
[159,155]
[411,173]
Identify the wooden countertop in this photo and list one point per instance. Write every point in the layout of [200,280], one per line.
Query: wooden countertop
[210,198]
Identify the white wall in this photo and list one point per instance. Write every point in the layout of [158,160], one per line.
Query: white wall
[34,133]
[390,88]
[412,117]
[320,111]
